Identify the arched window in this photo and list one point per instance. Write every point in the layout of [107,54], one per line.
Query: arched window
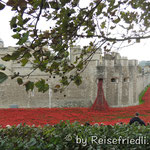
[113,79]
[126,79]
[100,79]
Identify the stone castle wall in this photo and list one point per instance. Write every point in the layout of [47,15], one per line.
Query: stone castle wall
[122,84]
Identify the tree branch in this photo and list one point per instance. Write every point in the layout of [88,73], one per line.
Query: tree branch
[114,39]
[38,17]
[3,2]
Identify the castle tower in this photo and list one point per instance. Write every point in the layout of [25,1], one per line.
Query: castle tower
[1,43]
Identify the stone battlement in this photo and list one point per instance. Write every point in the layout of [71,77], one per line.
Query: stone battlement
[122,83]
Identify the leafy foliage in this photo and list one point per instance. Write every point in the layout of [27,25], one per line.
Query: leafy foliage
[42,86]
[2,6]
[19,80]
[64,136]
[99,21]
[29,85]
[3,77]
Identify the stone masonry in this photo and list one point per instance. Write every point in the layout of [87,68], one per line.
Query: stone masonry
[122,83]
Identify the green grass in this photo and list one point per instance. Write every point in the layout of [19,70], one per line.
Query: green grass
[142,94]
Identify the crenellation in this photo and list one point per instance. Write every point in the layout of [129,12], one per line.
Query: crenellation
[124,62]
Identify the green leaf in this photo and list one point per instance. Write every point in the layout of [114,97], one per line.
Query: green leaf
[6,57]
[42,86]
[29,85]
[89,33]
[20,20]
[24,61]
[77,80]
[3,77]
[16,36]
[100,8]
[2,67]
[103,24]
[55,65]
[75,3]
[64,80]
[54,5]
[80,65]
[11,3]
[26,20]
[64,2]
[112,27]
[111,2]
[15,55]
[19,81]
[2,6]
[24,38]
[13,22]
[27,55]
[116,20]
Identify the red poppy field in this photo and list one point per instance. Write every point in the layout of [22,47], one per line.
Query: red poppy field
[43,116]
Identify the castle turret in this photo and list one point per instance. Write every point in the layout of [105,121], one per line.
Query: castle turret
[1,43]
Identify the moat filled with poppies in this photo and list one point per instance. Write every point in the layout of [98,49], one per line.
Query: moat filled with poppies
[43,116]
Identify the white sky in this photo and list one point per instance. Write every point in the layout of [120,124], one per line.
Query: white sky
[139,51]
